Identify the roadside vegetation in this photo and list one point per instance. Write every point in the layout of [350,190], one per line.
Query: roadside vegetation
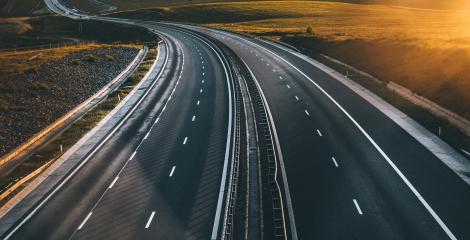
[39,86]
[19,62]
[52,151]
[425,50]
[39,59]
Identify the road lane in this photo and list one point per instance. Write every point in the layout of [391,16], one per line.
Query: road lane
[185,203]
[320,197]
[368,197]
[134,183]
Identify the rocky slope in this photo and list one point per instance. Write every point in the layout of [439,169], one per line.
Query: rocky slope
[38,97]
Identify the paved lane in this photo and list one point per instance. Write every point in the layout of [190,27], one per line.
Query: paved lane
[341,185]
[159,176]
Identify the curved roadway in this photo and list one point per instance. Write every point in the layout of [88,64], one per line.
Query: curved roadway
[159,175]
[352,172]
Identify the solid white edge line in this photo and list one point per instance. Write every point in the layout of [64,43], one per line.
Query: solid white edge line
[84,221]
[133,155]
[357,207]
[377,147]
[465,152]
[147,135]
[150,220]
[114,181]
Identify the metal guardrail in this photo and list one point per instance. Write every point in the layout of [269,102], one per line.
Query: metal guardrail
[228,231]
[10,160]
[456,120]
[268,159]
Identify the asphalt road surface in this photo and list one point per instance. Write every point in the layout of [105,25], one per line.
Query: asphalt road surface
[348,182]
[352,173]
[159,176]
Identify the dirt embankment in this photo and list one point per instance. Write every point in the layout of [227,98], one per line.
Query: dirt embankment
[32,100]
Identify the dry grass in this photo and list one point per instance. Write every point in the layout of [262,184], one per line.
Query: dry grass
[13,26]
[18,62]
[51,152]
[343,21]
[425,50]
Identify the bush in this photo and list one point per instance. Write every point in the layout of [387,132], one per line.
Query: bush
[76,62]
[31,70]
[34,95]
[109,58]
[90,58]
[310,29]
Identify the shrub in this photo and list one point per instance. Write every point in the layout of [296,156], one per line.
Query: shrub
[31,70]
[90,58]
[310,29]
[76,62]
[34,95]
[109,58]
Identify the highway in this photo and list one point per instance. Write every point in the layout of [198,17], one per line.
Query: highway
[347,170]
[341,182]
[159,175]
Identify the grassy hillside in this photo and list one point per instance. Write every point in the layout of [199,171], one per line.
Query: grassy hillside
[14,8]
[433,4]
[426,50]
[18,8]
